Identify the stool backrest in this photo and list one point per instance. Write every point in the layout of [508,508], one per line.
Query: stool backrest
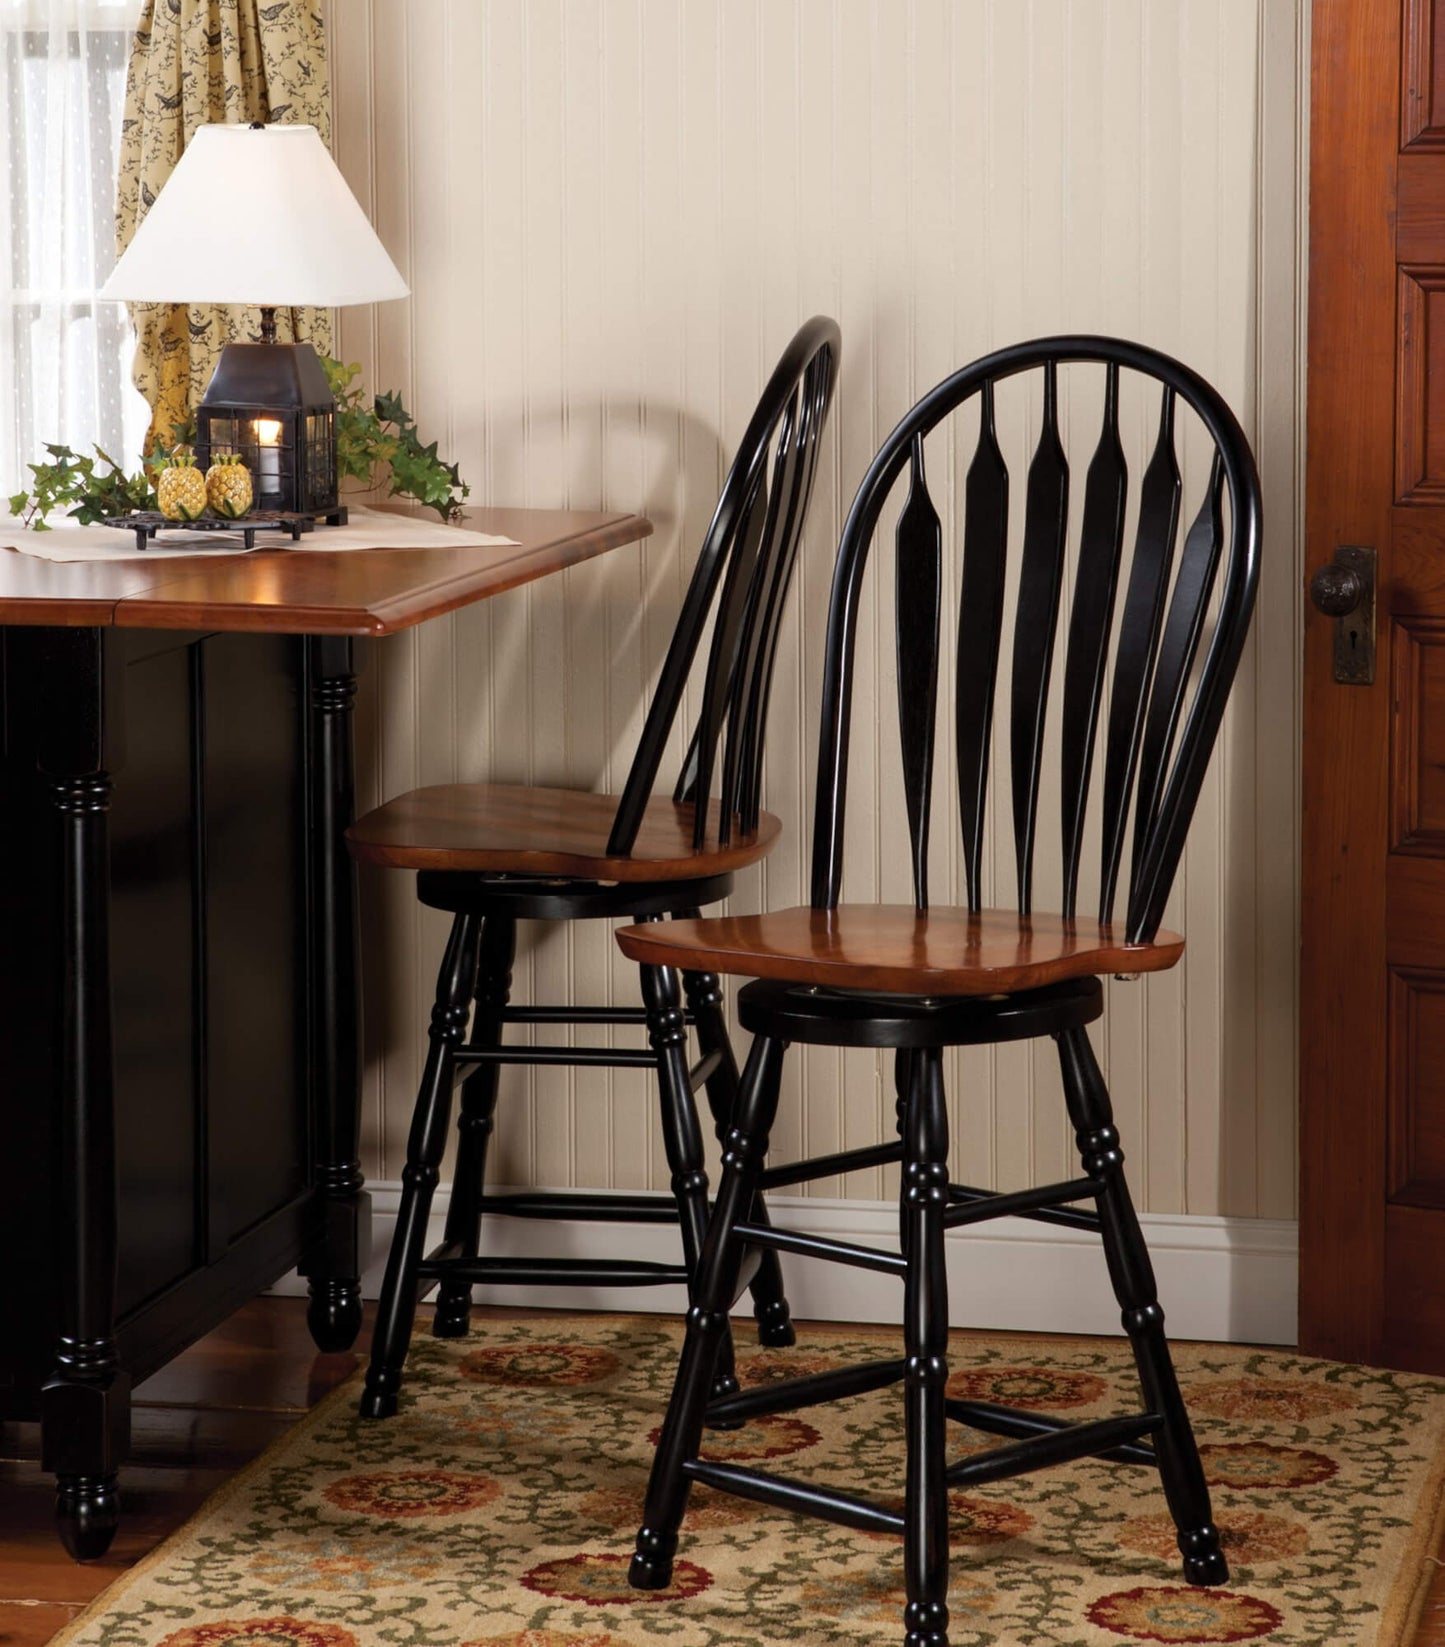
[741,580]
[1153,636]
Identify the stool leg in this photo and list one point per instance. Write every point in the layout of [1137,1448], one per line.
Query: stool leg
[667,1030]
[744,1152]
[474,1122]
[1132,1274]
[705,998]
[424,1149]
[902,1084]
[925,1340]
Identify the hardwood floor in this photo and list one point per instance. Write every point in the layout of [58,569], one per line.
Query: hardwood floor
[195,1423]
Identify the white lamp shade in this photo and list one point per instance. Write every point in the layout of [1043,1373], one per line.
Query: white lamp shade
[260,216]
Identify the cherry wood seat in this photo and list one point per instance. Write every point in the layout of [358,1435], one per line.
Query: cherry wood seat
[516,829]
[895,949]
[1148,641]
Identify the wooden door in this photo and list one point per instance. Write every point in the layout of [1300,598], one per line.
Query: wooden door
[1372,1125]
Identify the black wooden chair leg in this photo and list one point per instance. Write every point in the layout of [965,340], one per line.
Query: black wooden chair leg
[425,1146]
[705,998]
[925,1337]
[744,1152]
[474,1122]
[1132,1274]
[902,1081]
[682,1137]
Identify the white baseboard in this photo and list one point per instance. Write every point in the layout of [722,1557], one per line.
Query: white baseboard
[1224,1279]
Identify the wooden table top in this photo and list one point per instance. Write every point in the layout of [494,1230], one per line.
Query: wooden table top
[359,592]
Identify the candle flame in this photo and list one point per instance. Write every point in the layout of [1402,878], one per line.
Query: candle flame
[268,430]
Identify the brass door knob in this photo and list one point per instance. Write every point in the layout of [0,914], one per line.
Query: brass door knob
[1337,590]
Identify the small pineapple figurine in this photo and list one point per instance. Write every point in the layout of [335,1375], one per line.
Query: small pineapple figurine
[228,486]
[181,487]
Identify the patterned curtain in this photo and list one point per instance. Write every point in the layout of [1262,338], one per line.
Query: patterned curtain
[194,62]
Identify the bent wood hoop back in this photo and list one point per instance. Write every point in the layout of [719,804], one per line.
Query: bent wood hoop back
[749,552]
[1162,662]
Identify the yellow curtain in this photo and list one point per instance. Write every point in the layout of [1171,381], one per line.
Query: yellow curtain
[194,62]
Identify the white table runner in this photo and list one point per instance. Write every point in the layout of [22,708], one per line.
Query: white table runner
[67,541]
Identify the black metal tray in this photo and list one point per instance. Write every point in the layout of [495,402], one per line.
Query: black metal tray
[145,523]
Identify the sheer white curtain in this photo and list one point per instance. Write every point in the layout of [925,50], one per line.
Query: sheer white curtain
[64,357]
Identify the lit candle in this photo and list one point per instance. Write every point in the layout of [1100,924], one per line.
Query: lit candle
[268,470]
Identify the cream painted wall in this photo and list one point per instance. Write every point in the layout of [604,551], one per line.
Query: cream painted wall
[612,213]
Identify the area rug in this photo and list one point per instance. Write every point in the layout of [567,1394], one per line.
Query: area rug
[497,1509]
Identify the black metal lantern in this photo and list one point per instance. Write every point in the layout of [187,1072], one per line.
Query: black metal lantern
[269,404]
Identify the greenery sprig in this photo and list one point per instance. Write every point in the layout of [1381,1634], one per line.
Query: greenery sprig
[376,442]
[96,487]
[383,434]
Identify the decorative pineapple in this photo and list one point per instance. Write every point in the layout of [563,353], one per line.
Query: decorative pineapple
[228,486]
[181,487]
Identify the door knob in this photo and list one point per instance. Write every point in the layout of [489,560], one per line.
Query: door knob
[1345,591]
[1337,590]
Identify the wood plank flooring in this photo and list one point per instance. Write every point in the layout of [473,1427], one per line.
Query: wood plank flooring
[197,1421]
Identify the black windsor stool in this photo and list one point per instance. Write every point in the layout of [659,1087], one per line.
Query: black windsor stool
[922,978]
[494,854]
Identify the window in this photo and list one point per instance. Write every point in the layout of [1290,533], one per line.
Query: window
[64,357]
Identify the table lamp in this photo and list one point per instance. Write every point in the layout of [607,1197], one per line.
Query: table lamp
[291,233]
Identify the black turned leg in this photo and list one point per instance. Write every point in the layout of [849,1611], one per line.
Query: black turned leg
[1133,1277]
[902,1085]
[925,1340]
[682,1137]
[474,1122]
[340,1245]
[85,1404]
[425,1146]
[744,1152]
[705,999]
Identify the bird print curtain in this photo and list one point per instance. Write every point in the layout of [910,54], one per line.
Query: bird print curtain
[193,62]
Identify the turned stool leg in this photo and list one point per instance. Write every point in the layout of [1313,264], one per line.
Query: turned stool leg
[1132,1274]
[705,998]
[463,1234]
[925,1341]
[424,1150]
[667,1029]
[744,1152]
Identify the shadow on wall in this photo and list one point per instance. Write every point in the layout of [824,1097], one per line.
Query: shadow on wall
[625,606]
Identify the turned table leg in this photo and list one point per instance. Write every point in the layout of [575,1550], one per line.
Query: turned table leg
[85,1403]
[340,1245]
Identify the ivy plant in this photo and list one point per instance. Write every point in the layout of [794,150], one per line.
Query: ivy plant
[89,488]
[381,435]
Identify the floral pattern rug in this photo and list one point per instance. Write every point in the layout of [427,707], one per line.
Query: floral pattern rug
[498,1508]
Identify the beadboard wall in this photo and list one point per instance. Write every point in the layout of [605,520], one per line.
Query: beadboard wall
[612,213]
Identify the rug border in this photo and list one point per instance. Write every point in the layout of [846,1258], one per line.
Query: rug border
[1399,1614]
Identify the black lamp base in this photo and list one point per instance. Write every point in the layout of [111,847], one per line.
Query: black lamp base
[270,403]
